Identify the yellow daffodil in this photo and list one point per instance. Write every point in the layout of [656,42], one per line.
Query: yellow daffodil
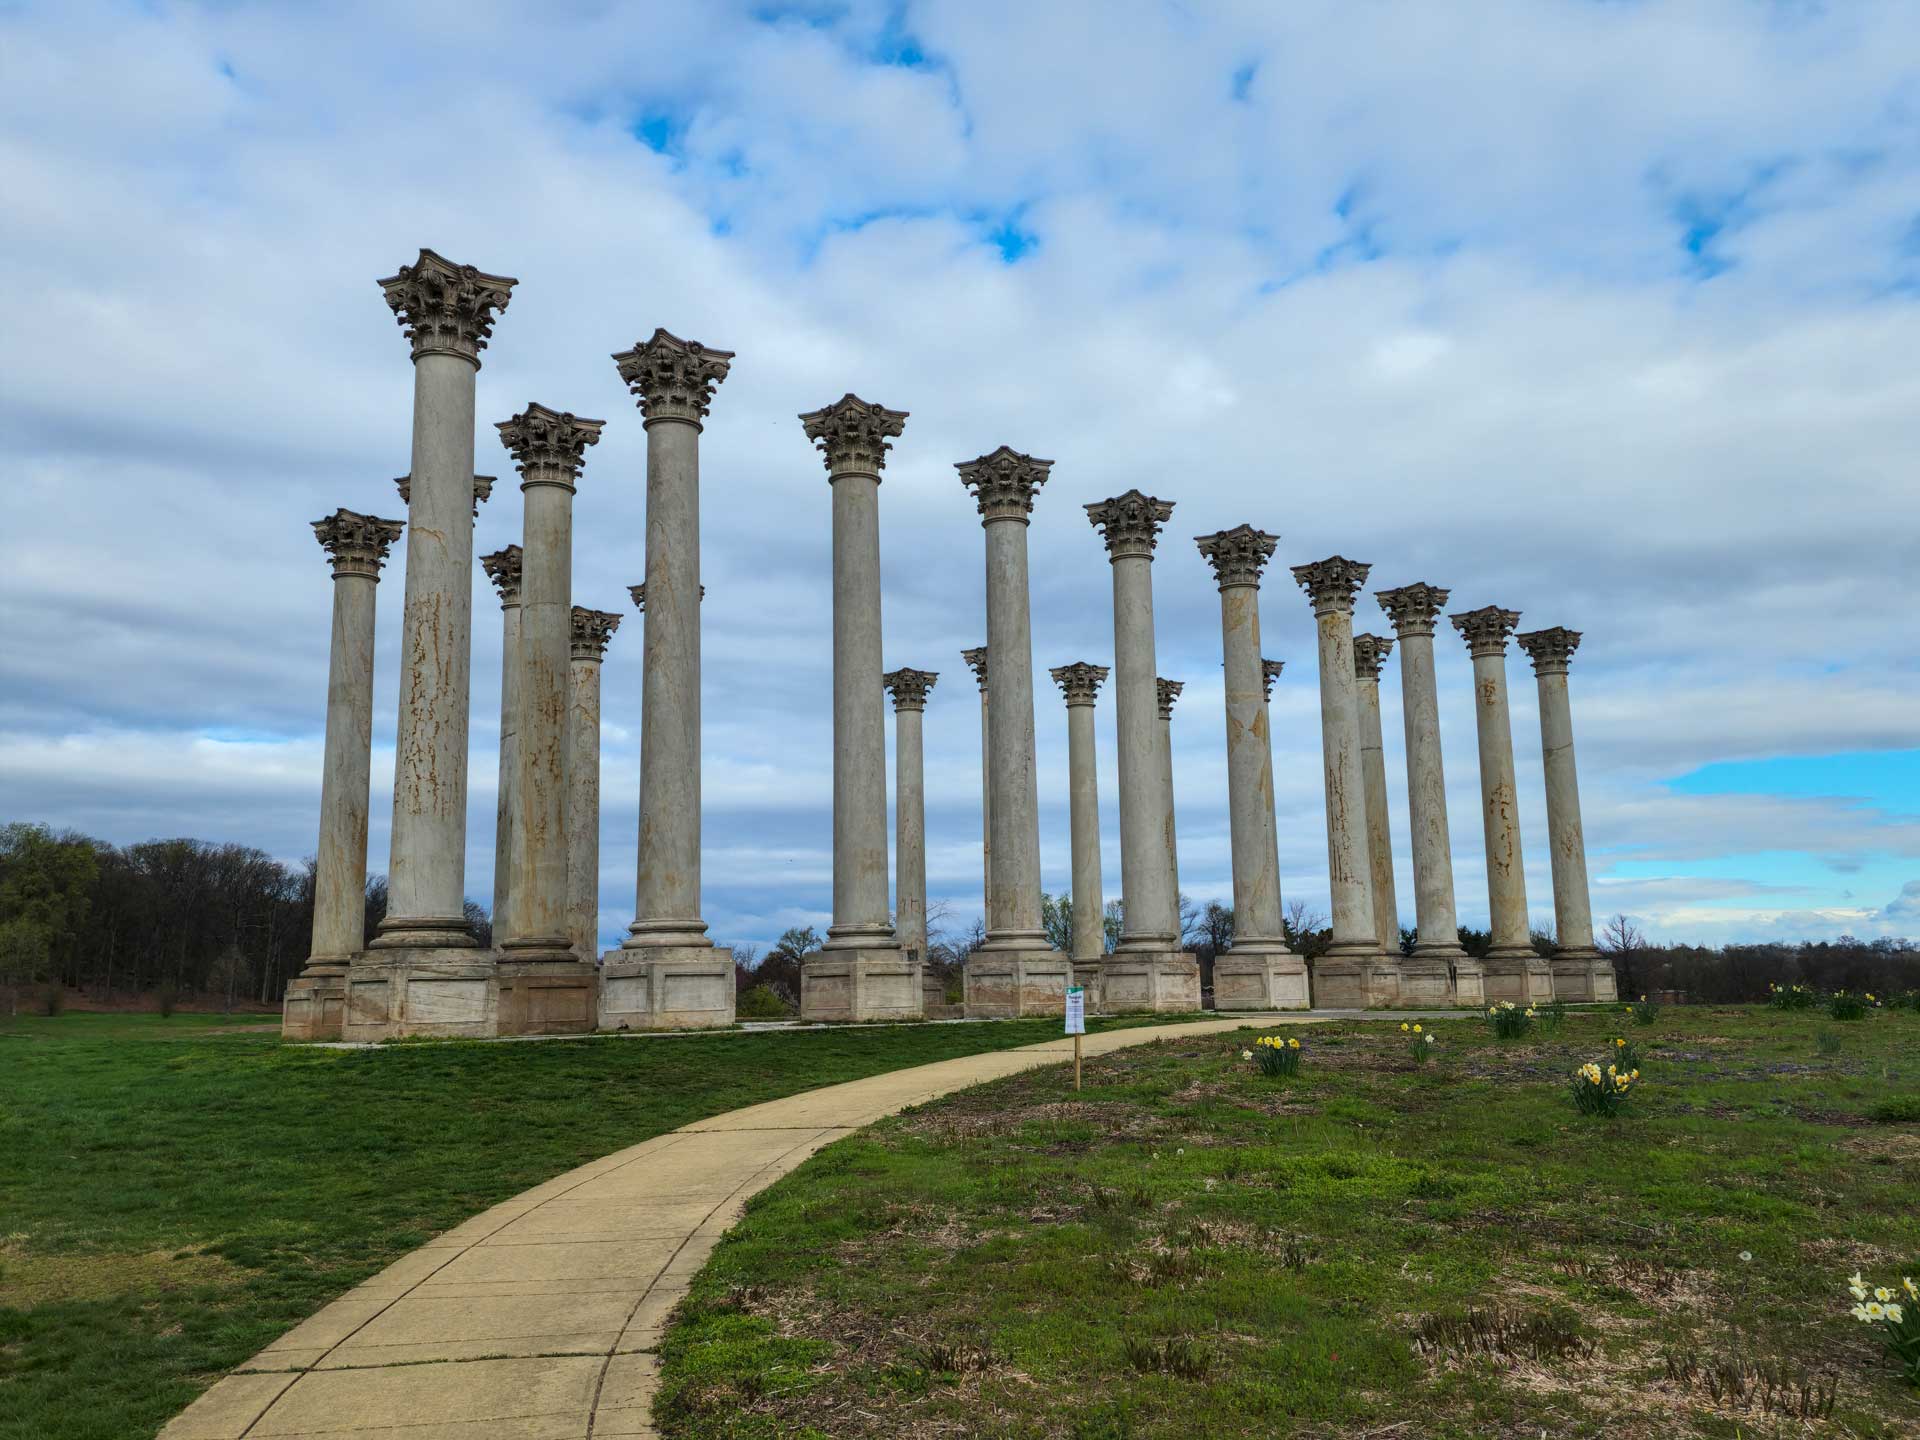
[1875,1310]
[1403,1027]
[1882,1294]
[1896,1314]
[1416,1029]
[1913,1291]
[1857,1286]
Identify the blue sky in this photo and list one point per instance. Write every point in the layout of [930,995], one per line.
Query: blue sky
[1603,312]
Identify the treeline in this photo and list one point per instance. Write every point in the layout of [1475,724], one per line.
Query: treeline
[174,918]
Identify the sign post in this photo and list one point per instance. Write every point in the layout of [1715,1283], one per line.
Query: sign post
[1076,1024]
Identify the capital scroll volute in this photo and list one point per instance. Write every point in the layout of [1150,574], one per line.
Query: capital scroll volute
[591,630]
[1332,584]
[976,659]
[853,435]
[1130,523]
[1413,609]
[1166,692]
[1004,483]
[357,544]
[503,568]
[671,378]
[1270,672]
[909,687]
[549,446]
[1238,555]
[1079,682]
[446,309]
[1550,650]
[1370,654]
[1486,630]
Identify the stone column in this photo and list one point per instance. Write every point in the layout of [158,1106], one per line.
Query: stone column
[503,568]
[1353,973]
[1370,652]
[1513,971]
[1580,972]
[1438,972]
[544,987]
[423,973]
[1269,672]
[1166,692]
[976,659]
[316,1000]
[668,974]
[1016,972]
[1259,971]
[1081,682]
[447,312]
[861,973]
[591,631]
[1147,970]
[909,690]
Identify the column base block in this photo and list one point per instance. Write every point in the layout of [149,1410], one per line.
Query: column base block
[1009,984]
[1426,981]
[547,997]
[1086,974]
[451,994]
[1469,981]
[1583,975]
[315,1008]
[669,987]
[1149,982]
[1518,975]
[1249,978]
[851,985]
[1357,979]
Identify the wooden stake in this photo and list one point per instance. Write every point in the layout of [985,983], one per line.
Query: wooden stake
[1076,1062]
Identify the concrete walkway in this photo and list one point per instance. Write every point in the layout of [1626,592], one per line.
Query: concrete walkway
[540,1319]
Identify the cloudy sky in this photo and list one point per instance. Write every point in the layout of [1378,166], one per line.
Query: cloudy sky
[1605,312]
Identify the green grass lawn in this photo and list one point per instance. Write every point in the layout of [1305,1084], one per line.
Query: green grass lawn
[1370,1249]
[175,1193]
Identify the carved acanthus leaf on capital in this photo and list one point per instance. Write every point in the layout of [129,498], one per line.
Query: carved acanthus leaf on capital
[1369,655]
[1130,523]
[671,378]
[1237,555]
[1486,629]
[638,594]
[1270,672]
[445,308]
[1003,483]
[1079,682]
[592,629]
[1413,608]
[1332,584]
[1550,650]
[548,446]
[853,435]
[482,490]
[503,568]
[909,687]
[1168,691]
[357,544]
[976,659]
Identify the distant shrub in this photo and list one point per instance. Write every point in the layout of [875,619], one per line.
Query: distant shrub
[169,1001]
[760,1003]
[1845,1005]
[1896,1110]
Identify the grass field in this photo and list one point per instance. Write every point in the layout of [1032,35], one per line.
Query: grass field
[175,1193]
[1374,1248]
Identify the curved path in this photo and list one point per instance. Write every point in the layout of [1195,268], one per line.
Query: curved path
[539,1319]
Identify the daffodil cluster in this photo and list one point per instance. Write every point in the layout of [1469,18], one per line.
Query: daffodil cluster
[1420,1042]
[1897,1312]
[1602,1092]
[1508,1021]
[1276,1056]
[1845,1005]
[1791,997]
[1626,1053]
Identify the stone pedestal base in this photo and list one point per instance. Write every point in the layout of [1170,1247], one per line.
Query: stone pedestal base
[1520,976]
[666,987]
[1140,982]
[853,985]
[1578,975]
[1469,982]
[547,998]
[1086,974]
[1357,979]
[933,991]
[454,994]
[1426,982]
[315,1007]
[1248,977]
[1007,984]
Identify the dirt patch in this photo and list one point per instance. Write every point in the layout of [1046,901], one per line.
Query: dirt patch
[28,1279]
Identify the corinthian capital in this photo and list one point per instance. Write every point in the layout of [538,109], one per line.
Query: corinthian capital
[673,379]
[1331,584]
[1413,608]
[909,687]
[1168,692]
[482,490]
[592,629]
[976,659]
[503,568]
[356,544]
[1486,629]
[1003,483]
[1080,682]
[1237,555]
[1130,523]
[1550,650]
[548,446]
[853,436]
[1369,654]
[638,594]
[1270,672]
[446,309]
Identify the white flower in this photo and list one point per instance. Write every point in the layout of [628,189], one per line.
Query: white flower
[1857,1286]
[1429,1039]
[1896,1314]
[1246,1054]
[1860,1313]
[1875,1310]
[1882,1294]
[1746,1257]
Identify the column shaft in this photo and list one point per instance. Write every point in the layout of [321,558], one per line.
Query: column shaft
[1572,905]
[1150,908]
[509,784]
[583,807]
[910,834]
[1500,813]
[1349,870]
[1373,777]
[1171,831]
[540,818]
[1013,901]
[986,803]
[426,869]
[1250,811]
[1083,796]
[859,718]
[340,872]
[1438,928]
